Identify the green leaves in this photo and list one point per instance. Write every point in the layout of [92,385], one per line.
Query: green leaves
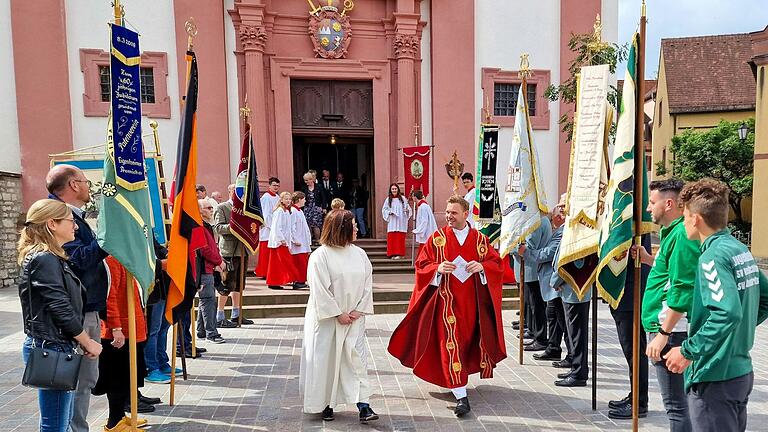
[717,153]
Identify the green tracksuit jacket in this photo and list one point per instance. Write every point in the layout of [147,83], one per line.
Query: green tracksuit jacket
[730,300]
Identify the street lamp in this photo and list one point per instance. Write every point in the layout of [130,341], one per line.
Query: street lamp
[743,131]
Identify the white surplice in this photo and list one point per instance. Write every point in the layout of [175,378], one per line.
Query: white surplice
[334,359]
[299,233]
[396,214]
[470,198]
[281,228]
[268,204]
[425,223]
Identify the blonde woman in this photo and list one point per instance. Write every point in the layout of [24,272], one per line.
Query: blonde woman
[51,300]
[337,204]
[334,368]
[313,210]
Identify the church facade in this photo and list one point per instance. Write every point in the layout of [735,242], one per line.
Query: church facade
[337,85]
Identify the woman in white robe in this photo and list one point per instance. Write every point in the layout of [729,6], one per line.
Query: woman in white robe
[396,213]
[301,240]
[280,270]
[334,366]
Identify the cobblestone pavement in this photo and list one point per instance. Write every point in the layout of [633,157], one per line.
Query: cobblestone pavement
[251,384]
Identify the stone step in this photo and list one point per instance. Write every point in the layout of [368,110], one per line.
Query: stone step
[381,307]
[300,297]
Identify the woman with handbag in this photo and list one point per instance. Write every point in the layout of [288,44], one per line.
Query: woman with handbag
[52,308]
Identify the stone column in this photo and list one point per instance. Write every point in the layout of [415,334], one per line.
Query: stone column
[406,48]
[253,40]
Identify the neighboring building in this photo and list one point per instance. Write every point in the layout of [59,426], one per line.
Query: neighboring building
[759,63]
[701,81]
[409,63]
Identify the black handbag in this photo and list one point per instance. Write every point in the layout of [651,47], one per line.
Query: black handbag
[50,369]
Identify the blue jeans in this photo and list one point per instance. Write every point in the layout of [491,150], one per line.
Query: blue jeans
[155,352]
[55,405]
[360,216]
[673,390]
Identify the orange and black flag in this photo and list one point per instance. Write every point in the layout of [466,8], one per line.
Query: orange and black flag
[186,224]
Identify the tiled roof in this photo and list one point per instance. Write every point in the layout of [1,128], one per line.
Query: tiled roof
[709,73]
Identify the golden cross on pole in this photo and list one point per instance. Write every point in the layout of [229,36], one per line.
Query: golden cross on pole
[416,134]
[525,70]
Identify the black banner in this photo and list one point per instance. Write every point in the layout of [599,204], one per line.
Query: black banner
[486,175]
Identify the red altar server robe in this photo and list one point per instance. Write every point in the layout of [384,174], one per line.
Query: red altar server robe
[453,330]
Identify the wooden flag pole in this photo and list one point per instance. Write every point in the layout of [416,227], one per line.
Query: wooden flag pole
[193,328]
[638,214]
[132,349]
[521,289]
[173,365]
[241,280]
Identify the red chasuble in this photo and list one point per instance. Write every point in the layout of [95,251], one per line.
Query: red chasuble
[455,329]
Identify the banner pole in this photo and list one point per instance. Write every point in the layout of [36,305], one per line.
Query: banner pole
[521,327]
[594,347]
[173,364]
[241,276]
[132,349]
[193,328]
[638,215]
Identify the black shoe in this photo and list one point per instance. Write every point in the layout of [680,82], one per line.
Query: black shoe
[275,287]
[571,381]
[188,354]
[526,335]
[614,404]
[625,412]
[528,342]
[564,375]
[149,400]
[327,414]
[367,414]
[300,285]
[141,407]
[563,364]
[462,407]
[201,335]
[547,355]
[244,321]
[225,323]
[535,347]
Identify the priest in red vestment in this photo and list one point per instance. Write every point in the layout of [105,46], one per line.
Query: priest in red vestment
[453,326]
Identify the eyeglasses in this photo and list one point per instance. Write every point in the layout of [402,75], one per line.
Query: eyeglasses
[208,208]
[83,181]
[65,219]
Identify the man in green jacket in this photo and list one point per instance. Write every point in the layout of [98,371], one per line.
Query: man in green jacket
[669,294]
[730,300]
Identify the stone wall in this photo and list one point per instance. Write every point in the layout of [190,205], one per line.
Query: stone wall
[10,224]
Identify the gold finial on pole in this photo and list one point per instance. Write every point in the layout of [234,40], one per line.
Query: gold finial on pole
[487,109]
[245,111]
[643,11]
[191,29]
[525,70]
[416,134]
[596,44]
[119,12]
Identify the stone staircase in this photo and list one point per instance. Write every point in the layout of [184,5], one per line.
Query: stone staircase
[391,294]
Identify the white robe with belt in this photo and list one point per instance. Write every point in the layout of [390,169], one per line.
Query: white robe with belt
[334,359]
[396,215]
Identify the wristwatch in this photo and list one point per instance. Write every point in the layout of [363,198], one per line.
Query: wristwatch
[665,333]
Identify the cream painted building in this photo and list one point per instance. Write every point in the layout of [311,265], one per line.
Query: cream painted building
[759,63]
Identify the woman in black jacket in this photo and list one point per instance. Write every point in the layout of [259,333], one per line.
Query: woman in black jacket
[51,300]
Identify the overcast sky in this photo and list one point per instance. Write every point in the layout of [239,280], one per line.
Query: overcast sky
[679,18]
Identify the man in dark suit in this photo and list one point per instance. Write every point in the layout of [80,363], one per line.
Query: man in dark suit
[341,190]
[326,188]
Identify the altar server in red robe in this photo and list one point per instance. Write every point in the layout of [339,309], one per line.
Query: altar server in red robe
[280,269]
[425,220]
[396,213]
[453,326]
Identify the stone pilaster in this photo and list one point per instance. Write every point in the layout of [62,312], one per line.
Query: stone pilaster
[10,221]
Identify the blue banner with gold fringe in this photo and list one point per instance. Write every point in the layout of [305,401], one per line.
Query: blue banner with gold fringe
[125,93]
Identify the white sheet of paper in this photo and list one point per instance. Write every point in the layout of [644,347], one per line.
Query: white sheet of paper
[461,272]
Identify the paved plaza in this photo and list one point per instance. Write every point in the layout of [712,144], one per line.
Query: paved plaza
[251,384]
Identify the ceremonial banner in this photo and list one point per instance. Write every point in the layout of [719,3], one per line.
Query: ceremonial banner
[524,199]
[247,215]
[124,221]
[616,226]
[186,225]
[486,195]
[587,180]
[126,108]
[416,169]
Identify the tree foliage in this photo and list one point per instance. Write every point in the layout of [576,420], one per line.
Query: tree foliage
[588,53]
[720,154]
